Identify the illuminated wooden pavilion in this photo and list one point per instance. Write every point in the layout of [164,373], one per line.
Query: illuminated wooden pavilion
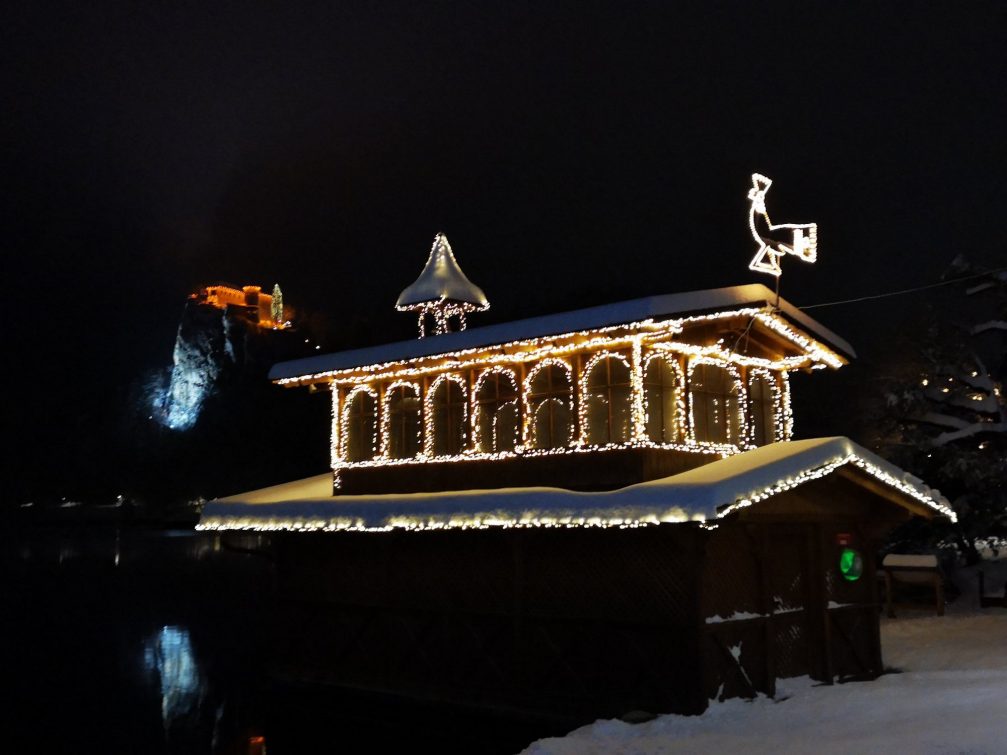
[657,385]
[573,516]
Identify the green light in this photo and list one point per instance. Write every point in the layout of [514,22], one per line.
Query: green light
[851,564]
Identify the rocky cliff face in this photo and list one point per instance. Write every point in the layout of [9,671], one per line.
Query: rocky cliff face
[214,348]
[203,352]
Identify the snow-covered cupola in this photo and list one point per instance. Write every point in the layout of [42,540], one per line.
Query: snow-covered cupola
[442,290]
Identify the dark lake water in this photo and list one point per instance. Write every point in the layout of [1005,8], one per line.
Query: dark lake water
[130,640]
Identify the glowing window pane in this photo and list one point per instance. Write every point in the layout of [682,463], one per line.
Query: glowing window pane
[506,427]
[449,418]
[405,425]
[552,424]
[497,413]
[608,402]
[550,399]
[660,387]
[362,427]
[714,404]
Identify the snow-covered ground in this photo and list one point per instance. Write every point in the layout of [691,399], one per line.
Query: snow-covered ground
[950,697]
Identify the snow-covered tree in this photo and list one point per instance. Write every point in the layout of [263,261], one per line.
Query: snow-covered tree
[277,305]
[944,413]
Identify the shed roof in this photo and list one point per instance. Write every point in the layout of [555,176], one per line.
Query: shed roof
[635,310]
[703,494]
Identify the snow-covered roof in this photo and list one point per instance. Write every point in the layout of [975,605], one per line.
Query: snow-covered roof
[635,310]
[704,494]
[442,279]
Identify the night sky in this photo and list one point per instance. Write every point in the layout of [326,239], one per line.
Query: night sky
[574,153]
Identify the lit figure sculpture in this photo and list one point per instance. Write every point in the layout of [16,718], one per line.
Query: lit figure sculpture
[799,239]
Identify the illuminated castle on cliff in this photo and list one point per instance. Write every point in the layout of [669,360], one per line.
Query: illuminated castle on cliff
[264,310]
[211,340]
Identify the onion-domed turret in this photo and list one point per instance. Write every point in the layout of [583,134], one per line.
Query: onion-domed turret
[442,290]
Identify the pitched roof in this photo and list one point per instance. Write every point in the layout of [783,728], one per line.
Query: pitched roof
[703,494]
[442,279]
[635,310]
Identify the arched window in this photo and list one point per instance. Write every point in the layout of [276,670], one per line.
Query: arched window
[361,426]
[761,409]
[660,392]
[449,416]
[609,419]
[405,422]
[497,412]
[550,404]
[714,394]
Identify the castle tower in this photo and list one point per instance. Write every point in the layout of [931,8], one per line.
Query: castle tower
[442,291]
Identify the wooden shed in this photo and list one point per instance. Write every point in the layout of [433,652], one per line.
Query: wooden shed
[659,596]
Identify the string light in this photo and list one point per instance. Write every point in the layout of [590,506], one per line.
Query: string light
[333,446]
[634,344]
[345,423]
[442,291]
[582,403]
[803,239]
[639,428]
[787,411]
[923,495]
[477,440]
[780,424]
[528,441]
[415,524]
[428,414]
[680,405]
[386,417]
[527,451]
[738,390]
[655,334]
[530,519]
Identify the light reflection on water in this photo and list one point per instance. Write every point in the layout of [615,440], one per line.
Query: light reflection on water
[131,639]
[168,653]
[65,547]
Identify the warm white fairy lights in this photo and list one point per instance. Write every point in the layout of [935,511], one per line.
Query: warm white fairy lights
[634,345]
[482,521]
[583,402]
[819,356]
[716,449]
[736,433]
[680,395]
[386,416]
[528,439]
[654,332]
[478,442]
[923,495]
[802,237]
[442,291]
[667,513]
[776,396]
[787,413]
[430,413]
[334,445]
[639,428]
[346,422]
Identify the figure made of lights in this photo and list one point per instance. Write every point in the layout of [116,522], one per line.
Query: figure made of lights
[799,239]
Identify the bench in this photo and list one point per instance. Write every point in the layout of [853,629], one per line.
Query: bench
[912,569]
